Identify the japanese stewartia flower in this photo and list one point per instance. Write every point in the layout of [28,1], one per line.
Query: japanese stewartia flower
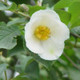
[45,34]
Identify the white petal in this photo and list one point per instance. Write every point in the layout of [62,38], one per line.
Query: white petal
[45,13]
[31,42]
[59,30]
[53,49]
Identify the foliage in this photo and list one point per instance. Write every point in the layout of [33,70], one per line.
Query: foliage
[17,58]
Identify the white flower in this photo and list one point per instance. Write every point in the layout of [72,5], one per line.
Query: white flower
[16,74]
[7,12]
[45,34]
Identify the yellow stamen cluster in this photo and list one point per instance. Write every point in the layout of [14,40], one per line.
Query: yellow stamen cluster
[42,32]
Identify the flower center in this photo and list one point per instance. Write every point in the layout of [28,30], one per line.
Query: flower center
[42,32]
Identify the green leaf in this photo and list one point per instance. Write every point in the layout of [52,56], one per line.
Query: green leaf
[76,31]
[33,70]
[16,21]
[2,6]
[62,4]
[29,67]
[64,16]
[52,74]
[24,61]
[75,12]
[76,23]
[3,67]
[12,7]
[18,49]
[21,77]
[49,2]
[8,36]
[33,9]
[74,74]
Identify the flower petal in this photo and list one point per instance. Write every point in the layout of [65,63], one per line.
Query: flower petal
[53,49]
[59,30]
[45,13]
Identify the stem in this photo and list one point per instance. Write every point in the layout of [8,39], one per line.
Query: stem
[75,35]
[71,62]
[75,42]
[75,45]
[5,75]
[22,14]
